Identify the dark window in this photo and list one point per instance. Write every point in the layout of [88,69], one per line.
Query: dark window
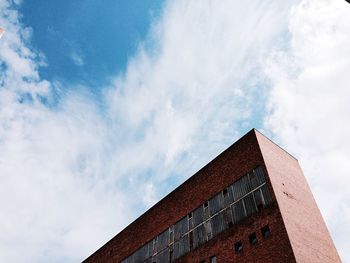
[171,234]
[162,256]
[238,211]
[213,259]
[253,180]
[238,246]
[190,221]
[163,240]
[216,204]
[208,229]
[228,217]
[154,245]
[259,199]
[191,240]
[171,256]
[217,223]
[249,203]
[202,261]
[241,187]
[265,231]
[198,216]
[259,172]
[199,236]
[252,239]
[180,228]
[266,194]
[206,210]
[181,247]
[228,196]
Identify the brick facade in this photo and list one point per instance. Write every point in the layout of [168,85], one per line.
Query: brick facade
[298,232]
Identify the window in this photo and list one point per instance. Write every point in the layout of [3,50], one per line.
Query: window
[238,211]
[252,239]
[208,229]
[259,199]
[217,223]
[197,216]
[171,234]
[249,205]
[154,245]
[238,246]
[265,231]
[171,255]
[206,210]
[191,240]
[190,221]
[246,196]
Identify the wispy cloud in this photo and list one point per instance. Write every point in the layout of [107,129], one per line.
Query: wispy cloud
[77,59]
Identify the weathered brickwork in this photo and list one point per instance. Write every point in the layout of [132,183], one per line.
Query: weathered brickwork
[290,195]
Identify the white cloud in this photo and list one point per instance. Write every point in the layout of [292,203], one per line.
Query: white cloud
[68,174]
[77,59]
[309,104]
[73,174]
[189,93]
[50,160]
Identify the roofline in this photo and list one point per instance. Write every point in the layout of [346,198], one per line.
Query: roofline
[191,178]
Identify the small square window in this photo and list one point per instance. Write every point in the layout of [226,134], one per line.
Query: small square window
[224,191]
[202,261]
[205,204]
[252,239]
[238,247]
[265,231]
[213,259]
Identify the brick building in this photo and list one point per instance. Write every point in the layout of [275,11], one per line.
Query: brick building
[250,204]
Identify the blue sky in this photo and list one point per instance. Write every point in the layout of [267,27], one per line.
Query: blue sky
[86,42]
[107,107]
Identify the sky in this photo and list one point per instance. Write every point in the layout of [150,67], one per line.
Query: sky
[106,107]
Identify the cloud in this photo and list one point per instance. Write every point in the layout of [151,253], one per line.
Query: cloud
[50,159]
[75,171]
[190,91]
[309,105]
[77,59]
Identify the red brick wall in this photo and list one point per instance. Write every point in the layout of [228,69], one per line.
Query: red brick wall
[275,248]
[307,231]
[233,163]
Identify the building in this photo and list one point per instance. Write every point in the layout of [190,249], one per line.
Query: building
[250,204]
